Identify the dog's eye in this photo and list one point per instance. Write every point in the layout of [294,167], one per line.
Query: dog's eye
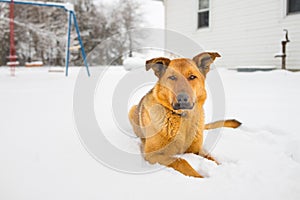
[192,77]
[173,78]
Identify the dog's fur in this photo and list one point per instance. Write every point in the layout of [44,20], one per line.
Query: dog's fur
[170,118]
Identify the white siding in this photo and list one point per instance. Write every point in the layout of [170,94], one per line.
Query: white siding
[247,32]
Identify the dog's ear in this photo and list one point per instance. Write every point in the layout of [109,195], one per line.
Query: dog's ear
[159,65]
[204,60]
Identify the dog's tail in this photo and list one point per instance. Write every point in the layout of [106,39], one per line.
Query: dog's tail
[230,123]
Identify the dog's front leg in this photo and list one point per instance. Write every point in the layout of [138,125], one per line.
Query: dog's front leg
[196,148]
[178,164]
[206,155]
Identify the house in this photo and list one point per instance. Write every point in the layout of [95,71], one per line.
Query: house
[246,33]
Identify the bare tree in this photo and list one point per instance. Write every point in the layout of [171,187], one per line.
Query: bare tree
[131,18]
[113,38]
[4,33]
[40,33]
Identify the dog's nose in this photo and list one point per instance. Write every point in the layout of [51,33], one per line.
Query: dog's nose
[183,102]
[182,98]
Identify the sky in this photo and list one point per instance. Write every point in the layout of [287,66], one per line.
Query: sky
[153,11]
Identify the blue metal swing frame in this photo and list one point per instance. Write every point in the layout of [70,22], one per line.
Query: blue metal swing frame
[71,16]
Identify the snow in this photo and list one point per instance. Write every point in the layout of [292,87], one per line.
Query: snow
[138,59]
[255,67]
[42,157]
[134,62]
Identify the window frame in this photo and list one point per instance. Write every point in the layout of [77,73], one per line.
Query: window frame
[287,3]
[203,11]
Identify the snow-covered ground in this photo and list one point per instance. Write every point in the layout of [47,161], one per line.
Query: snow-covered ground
[41,156]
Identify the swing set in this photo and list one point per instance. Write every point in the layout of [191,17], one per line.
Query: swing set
[68,7]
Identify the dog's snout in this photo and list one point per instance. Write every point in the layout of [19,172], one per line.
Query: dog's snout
[182,98]
[183,102]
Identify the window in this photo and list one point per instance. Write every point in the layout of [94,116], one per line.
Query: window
[203,13]
[293,6]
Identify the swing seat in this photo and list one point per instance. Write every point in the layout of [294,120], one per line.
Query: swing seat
[14,63]
[34,64]
[75,48]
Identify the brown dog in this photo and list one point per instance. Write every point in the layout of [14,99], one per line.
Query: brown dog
[170,118]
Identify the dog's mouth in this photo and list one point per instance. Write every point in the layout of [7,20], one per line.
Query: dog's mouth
[183,106]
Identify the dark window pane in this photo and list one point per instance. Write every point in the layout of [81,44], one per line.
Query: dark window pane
[293,6]
[203,4]
[203,19]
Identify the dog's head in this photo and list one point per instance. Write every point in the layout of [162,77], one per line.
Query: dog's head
[181,81]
